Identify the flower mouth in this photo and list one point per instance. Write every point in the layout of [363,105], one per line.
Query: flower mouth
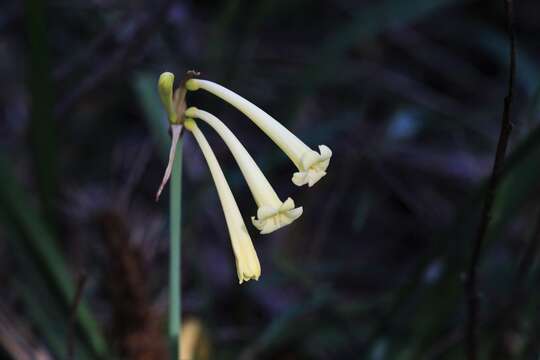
[312,166]
[247,274]
[247,278]
[270,218]
[247,262]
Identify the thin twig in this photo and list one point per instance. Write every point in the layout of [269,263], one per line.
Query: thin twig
[81,281]
[510,312]
[471,286]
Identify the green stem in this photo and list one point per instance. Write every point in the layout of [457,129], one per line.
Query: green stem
[175,298]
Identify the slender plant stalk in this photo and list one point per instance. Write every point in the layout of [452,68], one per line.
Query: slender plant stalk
[471,284]
[175,294]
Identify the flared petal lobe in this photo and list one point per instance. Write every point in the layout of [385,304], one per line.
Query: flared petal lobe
[270,219]
[313,166]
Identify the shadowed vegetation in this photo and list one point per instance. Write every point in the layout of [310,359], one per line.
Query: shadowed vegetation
[407,94]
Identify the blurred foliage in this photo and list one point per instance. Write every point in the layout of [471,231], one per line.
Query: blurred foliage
[408,95]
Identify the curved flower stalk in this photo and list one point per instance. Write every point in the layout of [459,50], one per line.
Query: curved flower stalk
[247,263]
[311,165]
[272,213]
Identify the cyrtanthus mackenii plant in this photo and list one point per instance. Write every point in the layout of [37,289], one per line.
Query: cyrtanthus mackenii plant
[272,213]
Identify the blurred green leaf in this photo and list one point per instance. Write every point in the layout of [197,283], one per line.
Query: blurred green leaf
[145,88]
[34,231]
[48,315]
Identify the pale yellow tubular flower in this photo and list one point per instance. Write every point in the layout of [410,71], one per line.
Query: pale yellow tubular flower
[247,263]
[272,213]
[165,90]
[311,165]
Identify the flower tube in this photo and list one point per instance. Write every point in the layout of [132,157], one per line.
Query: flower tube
[272,213]
[311,165]
[247,263]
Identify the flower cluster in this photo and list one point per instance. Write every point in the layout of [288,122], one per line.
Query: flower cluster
[272,212]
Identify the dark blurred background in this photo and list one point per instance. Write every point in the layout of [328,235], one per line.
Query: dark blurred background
[407,94]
